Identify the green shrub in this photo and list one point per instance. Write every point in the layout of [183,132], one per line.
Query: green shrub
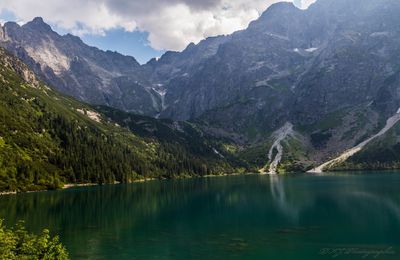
[17,243]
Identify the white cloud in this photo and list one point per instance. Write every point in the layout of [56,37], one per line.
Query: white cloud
[171,24]
[306,3]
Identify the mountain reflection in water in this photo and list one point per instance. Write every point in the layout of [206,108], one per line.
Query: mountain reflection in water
[237,217]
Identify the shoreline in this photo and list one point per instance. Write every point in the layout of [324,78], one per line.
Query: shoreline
[74,185]
[224,175]
[77,185]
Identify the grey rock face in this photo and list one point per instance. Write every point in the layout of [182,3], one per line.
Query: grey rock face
[76,69]
[289,65]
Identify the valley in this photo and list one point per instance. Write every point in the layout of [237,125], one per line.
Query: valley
[220,106]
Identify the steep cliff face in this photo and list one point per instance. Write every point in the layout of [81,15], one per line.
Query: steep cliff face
[290,62]
[76,69]
[250,66]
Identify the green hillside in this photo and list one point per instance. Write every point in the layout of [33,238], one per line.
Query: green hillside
[47,140]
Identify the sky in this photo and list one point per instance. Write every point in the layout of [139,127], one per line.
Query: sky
[142,29]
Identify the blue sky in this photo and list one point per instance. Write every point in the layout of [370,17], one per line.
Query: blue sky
[129,43]
[6,15]
[142,29]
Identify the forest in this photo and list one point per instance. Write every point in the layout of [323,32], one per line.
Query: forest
[48,140]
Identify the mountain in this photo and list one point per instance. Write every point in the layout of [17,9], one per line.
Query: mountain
[330,71]
[283,57]
[78,70]
[47,139]
[295,89]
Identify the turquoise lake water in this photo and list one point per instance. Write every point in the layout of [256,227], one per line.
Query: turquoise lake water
[341,216]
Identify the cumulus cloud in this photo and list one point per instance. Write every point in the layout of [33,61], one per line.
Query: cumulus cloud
[171,24]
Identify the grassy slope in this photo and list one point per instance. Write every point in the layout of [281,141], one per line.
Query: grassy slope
[45,141]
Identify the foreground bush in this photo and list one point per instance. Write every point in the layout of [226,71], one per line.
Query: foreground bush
[17,243]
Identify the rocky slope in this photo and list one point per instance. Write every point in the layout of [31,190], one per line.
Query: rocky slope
[391,123]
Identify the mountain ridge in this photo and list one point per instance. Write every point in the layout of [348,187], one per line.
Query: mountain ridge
[330,70]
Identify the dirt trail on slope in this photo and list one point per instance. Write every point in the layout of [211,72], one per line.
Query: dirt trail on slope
[281,134]
[392,121]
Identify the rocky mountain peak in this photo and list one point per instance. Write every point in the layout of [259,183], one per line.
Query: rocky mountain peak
[79,70]
[10,27]
[280,7]
[38,20]
[38,24]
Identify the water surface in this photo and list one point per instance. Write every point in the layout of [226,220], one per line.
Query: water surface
[238,217]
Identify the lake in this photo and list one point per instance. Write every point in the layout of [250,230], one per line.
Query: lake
[340,216]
